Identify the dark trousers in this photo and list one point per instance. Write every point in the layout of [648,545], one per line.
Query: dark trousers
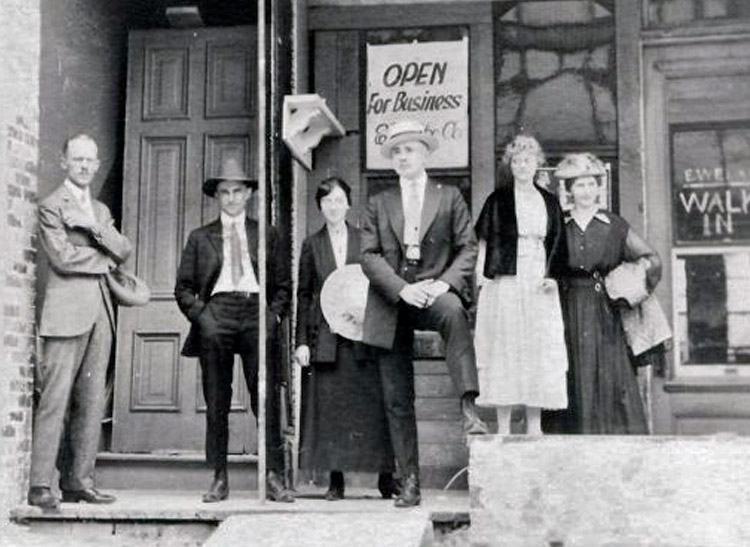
[229,326]
[448,316]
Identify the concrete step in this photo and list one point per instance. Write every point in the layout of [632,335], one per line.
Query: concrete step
[177,518]
[406,529]
[170,471]
[570,491]
[187,470]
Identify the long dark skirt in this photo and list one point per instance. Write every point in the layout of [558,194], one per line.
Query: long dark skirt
[603,390]
[343,419]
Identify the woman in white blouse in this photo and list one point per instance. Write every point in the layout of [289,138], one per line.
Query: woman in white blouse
[343,421]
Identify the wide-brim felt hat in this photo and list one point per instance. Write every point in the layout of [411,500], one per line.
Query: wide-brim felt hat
[408,130]
[230,170]
[583,164]
[127,289]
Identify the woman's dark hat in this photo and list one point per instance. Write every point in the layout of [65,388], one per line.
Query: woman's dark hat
[230,170]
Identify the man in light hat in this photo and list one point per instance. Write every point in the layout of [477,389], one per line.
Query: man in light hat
[419,252]
[79,240]
[217,290]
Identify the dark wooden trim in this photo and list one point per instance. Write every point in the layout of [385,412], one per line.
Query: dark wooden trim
[631,192]
[398,15]
[709,385]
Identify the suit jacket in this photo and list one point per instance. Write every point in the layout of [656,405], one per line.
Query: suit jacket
[78,259]
[316,263]
[200,267]
[447,244]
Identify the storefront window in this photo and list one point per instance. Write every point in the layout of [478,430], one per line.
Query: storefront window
[711,258]
[665,13]
[712,310]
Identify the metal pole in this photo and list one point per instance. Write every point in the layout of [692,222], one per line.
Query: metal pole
[262,251]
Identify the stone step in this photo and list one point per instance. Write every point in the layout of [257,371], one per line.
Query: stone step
[170,471]
[178,518]
[406,529]
[570,491]
[442,455]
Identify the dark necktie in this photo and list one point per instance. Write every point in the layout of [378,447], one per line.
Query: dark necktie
[236,251]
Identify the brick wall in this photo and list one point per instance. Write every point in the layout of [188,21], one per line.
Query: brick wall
[19,134]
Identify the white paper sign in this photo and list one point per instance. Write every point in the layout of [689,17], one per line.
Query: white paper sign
[424,81]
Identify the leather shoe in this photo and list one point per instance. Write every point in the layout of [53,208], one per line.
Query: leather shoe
[218,491]
[275,490]
[410,495]
[472,423]
[388,486]
[335,493]
[335,487]
[89,495]
[41,496]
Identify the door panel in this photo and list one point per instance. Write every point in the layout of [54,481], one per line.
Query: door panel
[190,106]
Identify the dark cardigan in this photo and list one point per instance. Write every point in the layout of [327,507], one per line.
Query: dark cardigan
[498,227]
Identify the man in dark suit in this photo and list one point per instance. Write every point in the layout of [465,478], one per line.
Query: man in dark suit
[217,290]
[81,244]
[419,252]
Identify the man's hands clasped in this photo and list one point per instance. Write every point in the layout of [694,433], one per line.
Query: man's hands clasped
[423,294]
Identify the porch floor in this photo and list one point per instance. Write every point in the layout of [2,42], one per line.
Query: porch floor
[140,517]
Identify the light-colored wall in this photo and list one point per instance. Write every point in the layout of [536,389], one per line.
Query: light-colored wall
[19,138]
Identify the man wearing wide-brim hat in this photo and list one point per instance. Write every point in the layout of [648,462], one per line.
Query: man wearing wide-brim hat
[418,251]
[217,290]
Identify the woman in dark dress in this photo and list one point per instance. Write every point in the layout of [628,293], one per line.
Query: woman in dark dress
[603,389]
[343,417]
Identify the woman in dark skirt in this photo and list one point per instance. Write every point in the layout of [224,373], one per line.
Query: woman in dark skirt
[603,390]
[343,417]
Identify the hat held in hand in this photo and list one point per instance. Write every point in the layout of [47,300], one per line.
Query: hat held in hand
[583,164]
[127,289]
[627,281]
[343,300]
[230,170]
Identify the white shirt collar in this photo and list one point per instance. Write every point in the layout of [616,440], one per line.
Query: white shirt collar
[227,220]
[79,193]
[338,231]
[599,215]
[420,180]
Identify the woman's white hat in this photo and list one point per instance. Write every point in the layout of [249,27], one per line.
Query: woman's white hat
[583,164]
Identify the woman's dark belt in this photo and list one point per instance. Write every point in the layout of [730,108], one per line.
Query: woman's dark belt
[593,280]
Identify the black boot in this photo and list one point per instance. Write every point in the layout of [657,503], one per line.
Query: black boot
[335,486]
[387,485]
[219,489]
[472,423]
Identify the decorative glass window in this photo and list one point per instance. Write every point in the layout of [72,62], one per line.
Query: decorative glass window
[556,79]
[670,13]
[555,73]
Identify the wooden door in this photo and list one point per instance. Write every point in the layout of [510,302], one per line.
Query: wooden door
[190,104]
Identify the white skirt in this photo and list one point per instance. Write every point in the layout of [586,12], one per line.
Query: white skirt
[520,344]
